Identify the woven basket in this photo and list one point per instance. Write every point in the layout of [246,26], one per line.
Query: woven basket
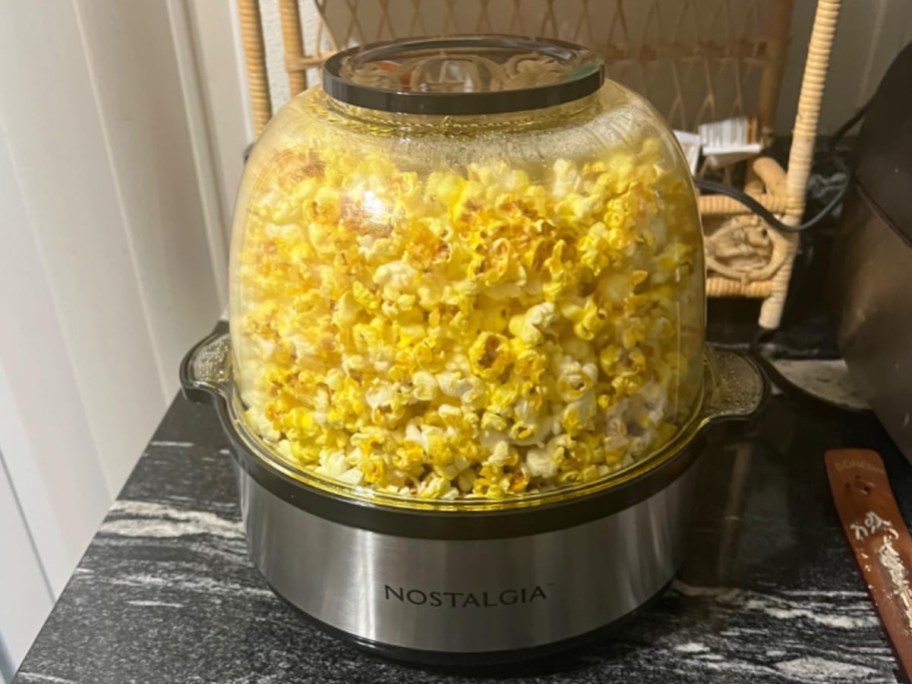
[695,61]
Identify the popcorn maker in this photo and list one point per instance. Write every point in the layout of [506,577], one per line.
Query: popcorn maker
[466,379]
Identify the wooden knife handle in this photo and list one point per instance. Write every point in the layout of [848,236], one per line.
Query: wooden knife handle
[879,539]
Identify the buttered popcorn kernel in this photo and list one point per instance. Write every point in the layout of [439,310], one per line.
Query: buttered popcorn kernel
[475,334]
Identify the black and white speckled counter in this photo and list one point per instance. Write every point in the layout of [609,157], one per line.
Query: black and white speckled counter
[770,593]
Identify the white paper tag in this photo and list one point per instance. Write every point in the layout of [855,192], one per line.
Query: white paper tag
[729,141]
[690,143]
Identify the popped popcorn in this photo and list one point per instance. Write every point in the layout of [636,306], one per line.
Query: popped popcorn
[477,332]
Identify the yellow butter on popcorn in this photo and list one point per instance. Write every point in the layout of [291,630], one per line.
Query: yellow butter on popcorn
[478,332]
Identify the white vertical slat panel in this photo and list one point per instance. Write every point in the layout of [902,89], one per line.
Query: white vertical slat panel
[50,114]
[113,259]
[25,597]
[137,81]
[219,59]
[275,53]
[204,161]
[44,431]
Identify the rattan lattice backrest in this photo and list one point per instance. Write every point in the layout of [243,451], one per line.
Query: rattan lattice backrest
[695,60]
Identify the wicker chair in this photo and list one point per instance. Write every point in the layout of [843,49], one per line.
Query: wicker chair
[695,65]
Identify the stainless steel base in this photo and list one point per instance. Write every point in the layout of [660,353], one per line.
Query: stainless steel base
[468,596]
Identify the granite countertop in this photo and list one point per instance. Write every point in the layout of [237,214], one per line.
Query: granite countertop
[769,593]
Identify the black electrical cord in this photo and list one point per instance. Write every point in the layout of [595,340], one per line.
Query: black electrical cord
[715,188]
[762,337]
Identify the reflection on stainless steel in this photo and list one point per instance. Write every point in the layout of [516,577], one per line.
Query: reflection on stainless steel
[742,455]
[468,596]
[875,334]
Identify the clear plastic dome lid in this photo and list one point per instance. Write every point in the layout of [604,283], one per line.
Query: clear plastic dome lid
[472,271]
[463,75]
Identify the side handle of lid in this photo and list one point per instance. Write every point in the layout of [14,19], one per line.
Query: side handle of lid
[737,386]
[205,371]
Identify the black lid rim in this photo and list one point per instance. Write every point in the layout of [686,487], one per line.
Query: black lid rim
[455,104]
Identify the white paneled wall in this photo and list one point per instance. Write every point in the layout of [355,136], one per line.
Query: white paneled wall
[113,262]
[147,139]
[22,611]
[45,437]
[225,109]
[63,160]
